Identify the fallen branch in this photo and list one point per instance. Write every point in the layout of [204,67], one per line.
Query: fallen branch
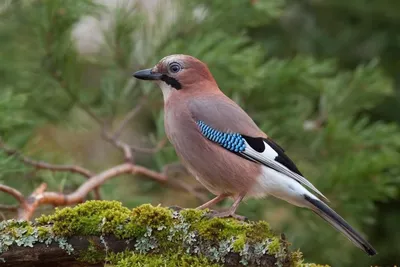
[172,237]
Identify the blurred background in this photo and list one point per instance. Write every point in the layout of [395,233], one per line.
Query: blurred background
[321,77]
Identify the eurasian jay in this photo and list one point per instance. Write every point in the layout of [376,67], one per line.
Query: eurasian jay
[225,150]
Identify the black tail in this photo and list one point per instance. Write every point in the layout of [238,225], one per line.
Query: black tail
[340,224]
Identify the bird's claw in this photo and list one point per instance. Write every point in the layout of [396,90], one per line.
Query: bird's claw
[227,214]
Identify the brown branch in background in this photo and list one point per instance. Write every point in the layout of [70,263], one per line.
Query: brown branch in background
[15,193]
[9,207]
[28,205]
[47,166]
[31,203]
[43,165]
[39,197]
[160,145]
[125,148]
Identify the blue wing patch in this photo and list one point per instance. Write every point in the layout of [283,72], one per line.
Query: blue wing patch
[235,142]
[231,141]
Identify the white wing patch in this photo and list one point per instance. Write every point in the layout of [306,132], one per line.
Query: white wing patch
[267,158]
[268,152]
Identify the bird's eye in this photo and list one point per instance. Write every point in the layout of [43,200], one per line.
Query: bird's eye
[175,67]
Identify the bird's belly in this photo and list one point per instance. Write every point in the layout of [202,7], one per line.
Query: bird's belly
[207,183]
[219,170]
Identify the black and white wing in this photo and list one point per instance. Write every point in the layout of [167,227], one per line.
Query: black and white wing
[262,150]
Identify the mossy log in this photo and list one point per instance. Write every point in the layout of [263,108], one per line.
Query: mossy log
[104,233]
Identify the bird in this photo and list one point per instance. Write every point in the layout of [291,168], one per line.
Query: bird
[225,150]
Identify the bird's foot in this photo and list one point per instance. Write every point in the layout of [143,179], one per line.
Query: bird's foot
[227,214]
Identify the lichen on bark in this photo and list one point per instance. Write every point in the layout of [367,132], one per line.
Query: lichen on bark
[105,231]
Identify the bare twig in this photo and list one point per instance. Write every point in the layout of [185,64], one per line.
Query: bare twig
[47,166]
[28,205]
[114,138]
[39,197]
[159,177]
[13,192]
[125,148]
[9,207]
[128,117]
[160,145]
[44,165]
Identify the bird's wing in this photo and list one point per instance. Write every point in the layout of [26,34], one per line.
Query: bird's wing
[223,122]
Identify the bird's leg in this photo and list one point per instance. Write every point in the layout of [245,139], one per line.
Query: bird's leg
[231,211]
[213,201]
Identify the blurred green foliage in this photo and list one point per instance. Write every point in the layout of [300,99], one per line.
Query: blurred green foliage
[320,77]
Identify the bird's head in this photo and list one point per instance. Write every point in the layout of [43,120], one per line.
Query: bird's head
[179,73]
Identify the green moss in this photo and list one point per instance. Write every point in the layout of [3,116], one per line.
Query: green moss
[152,216]
[92,254]
[193,215]
[147,217]
[274,246]
[185,238]
[89,218]
[296,258]
[128,259]
[297,261]
[43,232]
[258,231]
[238,244]
[107,217]
[220,229]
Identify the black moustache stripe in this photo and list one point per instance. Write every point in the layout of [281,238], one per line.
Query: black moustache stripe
[171,81]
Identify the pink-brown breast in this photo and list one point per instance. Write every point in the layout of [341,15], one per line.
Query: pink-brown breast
[218,169]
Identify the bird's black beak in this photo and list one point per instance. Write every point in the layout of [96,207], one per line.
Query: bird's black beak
[147,74]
